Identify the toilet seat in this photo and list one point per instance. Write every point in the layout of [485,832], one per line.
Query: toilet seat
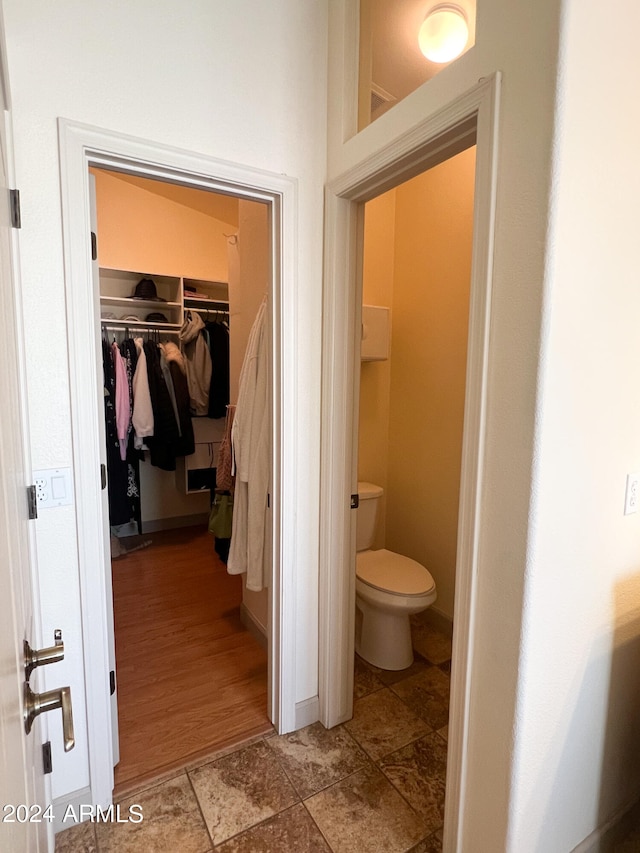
[393,573]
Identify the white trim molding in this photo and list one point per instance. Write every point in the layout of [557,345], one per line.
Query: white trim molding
[70,803]
[471,118]
[80,147]
[307,712]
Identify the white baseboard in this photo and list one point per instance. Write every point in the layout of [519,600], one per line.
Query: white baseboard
[307,712]
[63,805]
[255,628]
[605,838]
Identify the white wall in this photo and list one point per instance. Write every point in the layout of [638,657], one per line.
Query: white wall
[553,732]
[236,80]
[578,721]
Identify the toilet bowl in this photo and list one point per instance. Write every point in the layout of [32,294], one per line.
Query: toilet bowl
[389,588]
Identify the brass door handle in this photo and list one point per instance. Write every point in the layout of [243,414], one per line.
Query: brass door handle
[38,703]
[40,657]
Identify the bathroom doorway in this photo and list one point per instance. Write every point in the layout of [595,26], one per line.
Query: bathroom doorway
[468,120]
[416,274]
[417,263]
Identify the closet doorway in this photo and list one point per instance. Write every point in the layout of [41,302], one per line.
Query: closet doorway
[182,273]
[81,148]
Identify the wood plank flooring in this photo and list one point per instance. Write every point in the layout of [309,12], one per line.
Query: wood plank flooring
[191,679]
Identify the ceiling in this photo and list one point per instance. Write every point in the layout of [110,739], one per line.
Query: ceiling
[216,205]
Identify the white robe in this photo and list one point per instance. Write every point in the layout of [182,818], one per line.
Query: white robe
[251,446]
[142,417]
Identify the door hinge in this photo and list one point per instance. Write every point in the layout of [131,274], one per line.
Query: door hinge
[14,204]
[112,682]
[94,246]
[32,502]
[47,761]
[103,476]
[355,501]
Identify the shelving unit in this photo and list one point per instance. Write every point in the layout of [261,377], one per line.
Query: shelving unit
[118,307]
[191,471]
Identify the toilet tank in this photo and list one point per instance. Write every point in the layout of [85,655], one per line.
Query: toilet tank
[368,500]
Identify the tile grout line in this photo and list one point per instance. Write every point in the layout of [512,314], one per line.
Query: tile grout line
[395,787]
[313,821]
[262,820]
[206,825]
[368,762]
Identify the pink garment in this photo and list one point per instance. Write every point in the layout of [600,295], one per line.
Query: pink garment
[123,405]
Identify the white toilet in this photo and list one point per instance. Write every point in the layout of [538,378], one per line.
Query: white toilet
[389,587]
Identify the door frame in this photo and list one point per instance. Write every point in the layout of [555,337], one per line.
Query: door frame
[471,118]
[82,146]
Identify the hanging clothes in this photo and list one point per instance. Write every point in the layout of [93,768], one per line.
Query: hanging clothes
[197,361]
[123,399]
[123,474]
[185,445]
[142,414]
[162,446]
[250,440]
[224,461]
[219,387]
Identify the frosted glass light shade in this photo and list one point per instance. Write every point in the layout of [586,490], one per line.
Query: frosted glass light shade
[444,33]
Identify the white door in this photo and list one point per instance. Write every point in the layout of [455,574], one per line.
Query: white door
[24,822]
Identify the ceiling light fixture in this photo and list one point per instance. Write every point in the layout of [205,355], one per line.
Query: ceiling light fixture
[444,33]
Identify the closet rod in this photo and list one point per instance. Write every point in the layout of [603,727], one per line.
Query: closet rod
[121,327]
[223,309]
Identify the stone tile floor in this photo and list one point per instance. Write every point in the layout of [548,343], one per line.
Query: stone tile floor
[375,783]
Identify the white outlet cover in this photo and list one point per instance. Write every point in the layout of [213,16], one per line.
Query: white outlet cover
[53,487]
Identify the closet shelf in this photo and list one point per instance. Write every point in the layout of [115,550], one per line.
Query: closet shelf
[137,303]
[116,297]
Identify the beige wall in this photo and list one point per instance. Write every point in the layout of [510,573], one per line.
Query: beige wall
[377,289]
[163,229]
[249,281]
[412,407]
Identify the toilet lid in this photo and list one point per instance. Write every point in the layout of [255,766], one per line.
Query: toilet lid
[391,572]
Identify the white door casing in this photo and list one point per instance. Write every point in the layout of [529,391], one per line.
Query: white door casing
[106,542]
[82,146]
[22,782]
[471,118]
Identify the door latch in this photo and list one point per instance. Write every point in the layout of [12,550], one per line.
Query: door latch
[41,657]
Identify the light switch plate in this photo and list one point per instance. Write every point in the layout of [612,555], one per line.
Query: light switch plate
[53,487]
[632,494]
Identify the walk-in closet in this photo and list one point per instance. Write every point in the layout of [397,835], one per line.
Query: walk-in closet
[184,277]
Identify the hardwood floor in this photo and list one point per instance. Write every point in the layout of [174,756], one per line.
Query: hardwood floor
[191,679]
